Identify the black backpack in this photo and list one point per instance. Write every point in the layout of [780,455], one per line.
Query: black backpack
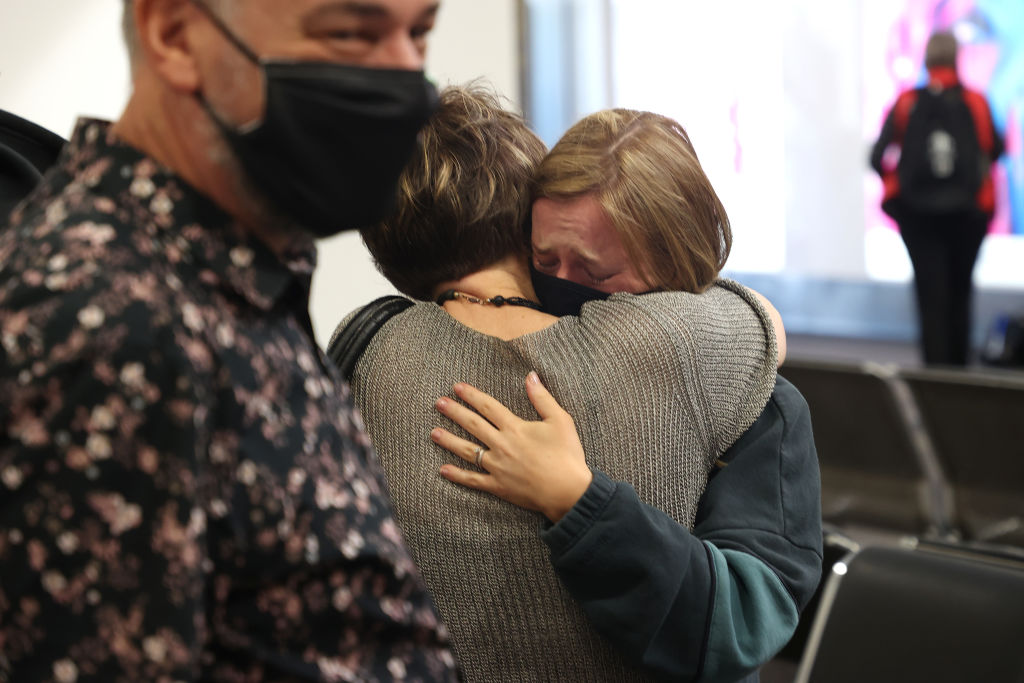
[941,166]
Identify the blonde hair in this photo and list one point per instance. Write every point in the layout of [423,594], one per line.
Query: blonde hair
[644,173]
[463,201]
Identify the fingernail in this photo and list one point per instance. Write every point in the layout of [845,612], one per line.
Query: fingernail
[442,403]
[445,470]
[533,378]
[435,434]
[459,387]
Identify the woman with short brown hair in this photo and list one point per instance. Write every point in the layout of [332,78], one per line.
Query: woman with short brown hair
[444,227]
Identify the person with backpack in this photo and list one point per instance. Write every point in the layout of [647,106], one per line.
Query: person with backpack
[941,194]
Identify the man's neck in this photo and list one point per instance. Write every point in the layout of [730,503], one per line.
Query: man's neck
[179,134]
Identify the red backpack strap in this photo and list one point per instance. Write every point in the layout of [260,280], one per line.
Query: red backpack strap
[901,112]
[978,106]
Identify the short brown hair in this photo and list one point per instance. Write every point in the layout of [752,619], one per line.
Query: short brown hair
[129,31]
[463,200]
[131,34]
[644,172]
[941,50]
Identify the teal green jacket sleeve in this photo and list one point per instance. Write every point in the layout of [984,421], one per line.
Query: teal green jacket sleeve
[716,603]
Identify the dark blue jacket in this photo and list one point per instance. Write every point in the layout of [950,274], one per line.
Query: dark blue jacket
[716,603]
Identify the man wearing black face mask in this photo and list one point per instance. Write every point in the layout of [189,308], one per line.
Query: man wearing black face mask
[185,490]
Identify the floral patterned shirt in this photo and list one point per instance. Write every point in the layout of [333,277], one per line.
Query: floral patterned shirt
[186,491]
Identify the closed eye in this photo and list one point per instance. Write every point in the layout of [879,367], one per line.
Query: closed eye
[349,36]
[421,31]
[545,265]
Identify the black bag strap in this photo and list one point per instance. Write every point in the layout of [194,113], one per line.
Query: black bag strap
[348,343]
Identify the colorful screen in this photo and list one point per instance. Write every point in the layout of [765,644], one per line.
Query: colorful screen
[991,61]
[783,102]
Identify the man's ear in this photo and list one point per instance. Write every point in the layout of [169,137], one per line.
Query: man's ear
[163,28]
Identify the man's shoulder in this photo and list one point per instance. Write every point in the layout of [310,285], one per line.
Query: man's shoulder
[63,320]
[904,104]
[977,103]
[972,94]
[73,229]
[83,283]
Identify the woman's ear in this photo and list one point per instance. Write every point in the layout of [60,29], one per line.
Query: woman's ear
[166,40]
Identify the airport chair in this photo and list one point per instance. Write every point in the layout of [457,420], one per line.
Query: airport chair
[976,424]
[876,470]
[836,547]
[893,615]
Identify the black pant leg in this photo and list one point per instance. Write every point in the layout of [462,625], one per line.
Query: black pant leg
[928,253]
[965,235]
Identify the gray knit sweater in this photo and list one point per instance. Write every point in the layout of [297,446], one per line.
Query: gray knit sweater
[659,385]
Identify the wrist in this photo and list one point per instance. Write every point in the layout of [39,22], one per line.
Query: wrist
[570,494]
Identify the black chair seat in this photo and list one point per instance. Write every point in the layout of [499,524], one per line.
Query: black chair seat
[900,615]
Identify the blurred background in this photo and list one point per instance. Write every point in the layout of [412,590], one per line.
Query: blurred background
[782,99]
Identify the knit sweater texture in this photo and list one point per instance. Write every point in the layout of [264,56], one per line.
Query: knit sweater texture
[659,385]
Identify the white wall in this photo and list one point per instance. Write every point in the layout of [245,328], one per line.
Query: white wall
[63,58]
[825,157]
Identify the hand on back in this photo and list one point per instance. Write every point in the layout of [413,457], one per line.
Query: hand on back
[537,465]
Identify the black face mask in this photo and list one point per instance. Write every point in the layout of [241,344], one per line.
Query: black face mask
[562,297]
[333,139]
